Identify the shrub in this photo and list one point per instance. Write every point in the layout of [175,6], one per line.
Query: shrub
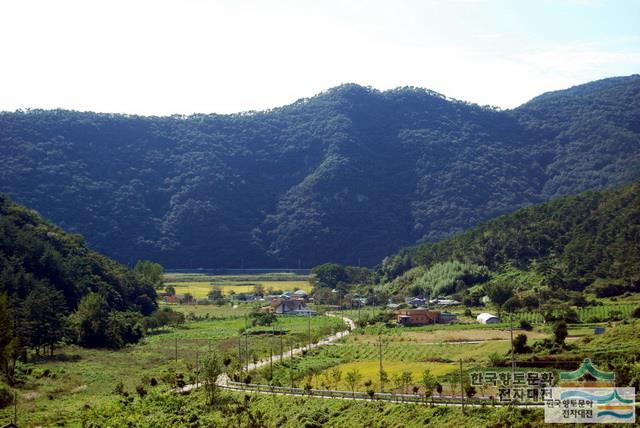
[526,325]
[6,397]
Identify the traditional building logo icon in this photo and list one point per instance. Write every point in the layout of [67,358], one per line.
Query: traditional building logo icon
[587,375]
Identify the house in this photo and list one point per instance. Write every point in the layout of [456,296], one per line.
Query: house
[304,312]
[171,299]
[447,317]
[416,302]
[183,299]
[300,294]
[358,301]
[417,316]
[281,306]
[486,318]
[244,297]
[444,302]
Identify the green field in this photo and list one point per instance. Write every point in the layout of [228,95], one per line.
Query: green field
[59,390]
[600,313]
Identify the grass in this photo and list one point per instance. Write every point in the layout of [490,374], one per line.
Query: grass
[161,409]
[60,390]
[223,311]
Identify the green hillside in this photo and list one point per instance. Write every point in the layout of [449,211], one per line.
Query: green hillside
[54,288]
[586,242]
[350,175]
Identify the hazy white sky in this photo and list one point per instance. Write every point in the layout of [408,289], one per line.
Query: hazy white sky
[183,56]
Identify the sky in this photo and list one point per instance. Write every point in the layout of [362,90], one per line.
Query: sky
[163,57]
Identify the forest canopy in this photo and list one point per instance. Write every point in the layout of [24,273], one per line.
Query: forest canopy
[350,176]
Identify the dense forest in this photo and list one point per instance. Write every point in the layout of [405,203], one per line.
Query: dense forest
[350,175]
[589,242]
[54,288]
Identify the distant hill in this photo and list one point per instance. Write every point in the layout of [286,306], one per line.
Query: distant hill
[570,243]
[350,175]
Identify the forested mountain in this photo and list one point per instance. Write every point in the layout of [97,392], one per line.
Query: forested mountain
[52,287]
[571,243]
[350,175]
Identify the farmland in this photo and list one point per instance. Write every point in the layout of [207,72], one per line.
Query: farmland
[88,383]
[63,388]
[199,285]
[604,312]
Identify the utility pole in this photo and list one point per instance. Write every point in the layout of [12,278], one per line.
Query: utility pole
[461,387]
[240,356]
[513,356]
[281,347]
[309,319]
[246,341]
[176,350]
[197,370]
[380,353]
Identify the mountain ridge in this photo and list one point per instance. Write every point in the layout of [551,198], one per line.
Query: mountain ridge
[350,175]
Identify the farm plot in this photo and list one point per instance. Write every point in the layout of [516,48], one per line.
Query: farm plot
[589,314]
[200,289]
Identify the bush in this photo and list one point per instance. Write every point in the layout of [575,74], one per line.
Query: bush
[520,344]
[636,312]
[526,325]
[6,397]
[609,290]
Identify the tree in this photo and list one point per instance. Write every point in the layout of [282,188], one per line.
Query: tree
[212,369]
[152,272]
[499,293]
[520,344]
[262,318]
[336,376]
[90,320]
[42,315]
[258,290]
[353,379]
[428,382]
[438,388]
[215,295]
[470,390]
[123,328]
[406,378]
[384,378]
[560,332]
[9,345]
[329,275]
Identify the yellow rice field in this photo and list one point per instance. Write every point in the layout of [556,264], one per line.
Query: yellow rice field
[370,370]
[200,289]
